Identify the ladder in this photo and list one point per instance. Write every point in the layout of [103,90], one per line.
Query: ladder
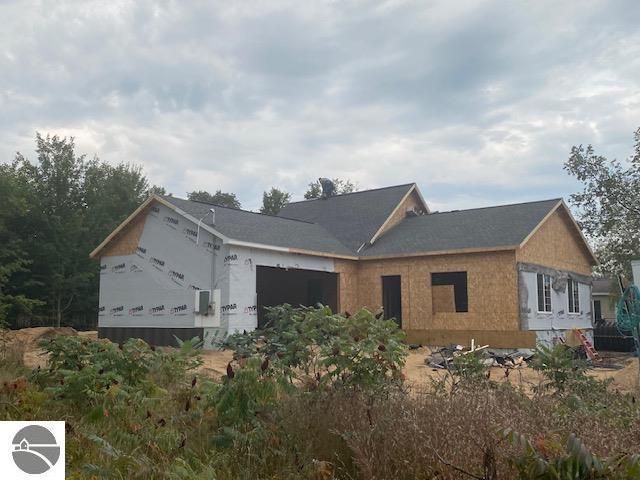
[588,347]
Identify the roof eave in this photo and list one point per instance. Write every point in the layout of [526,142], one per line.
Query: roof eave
[458,251]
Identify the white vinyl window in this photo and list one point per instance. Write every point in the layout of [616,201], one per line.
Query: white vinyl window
[574,298]
[544,293]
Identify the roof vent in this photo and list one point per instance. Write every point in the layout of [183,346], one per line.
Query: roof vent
[328,187]
[414,212]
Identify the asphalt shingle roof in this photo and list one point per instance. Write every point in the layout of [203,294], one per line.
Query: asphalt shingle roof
[345,222]
[265,229]
[488,227]
[603,286]
[353,218]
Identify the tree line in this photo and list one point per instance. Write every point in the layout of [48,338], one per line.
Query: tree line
[56,210]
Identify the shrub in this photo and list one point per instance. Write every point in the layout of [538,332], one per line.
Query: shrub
[560,366]
[320,348]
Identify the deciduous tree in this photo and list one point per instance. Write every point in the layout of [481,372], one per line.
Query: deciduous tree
[273,201]
[342,186]
[224,199]
[608,206]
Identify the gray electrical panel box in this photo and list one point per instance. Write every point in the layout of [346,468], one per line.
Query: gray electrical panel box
[202,301]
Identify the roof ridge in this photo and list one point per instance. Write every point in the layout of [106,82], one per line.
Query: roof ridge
[558,199]
[166,197]
[353,193]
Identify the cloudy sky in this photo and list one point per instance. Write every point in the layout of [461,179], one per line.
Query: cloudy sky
[479,102]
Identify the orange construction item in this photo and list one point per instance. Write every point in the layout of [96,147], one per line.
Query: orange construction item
[587,345]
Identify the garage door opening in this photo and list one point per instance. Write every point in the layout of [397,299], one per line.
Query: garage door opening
[294,286]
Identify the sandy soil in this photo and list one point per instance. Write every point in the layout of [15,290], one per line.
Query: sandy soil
[622,368]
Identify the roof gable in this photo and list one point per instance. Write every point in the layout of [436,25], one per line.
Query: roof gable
[353,218]
[504,227]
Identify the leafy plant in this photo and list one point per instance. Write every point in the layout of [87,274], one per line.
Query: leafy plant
[559,365]
[318,347]
[577,462]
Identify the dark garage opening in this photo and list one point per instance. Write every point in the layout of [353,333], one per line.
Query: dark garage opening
[294,286]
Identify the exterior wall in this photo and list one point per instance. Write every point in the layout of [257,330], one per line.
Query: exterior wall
[492,293]
[155,286]
[348,299]
[127,240]
[558,249]
[608,306]
[549,325]
[557,245]
[239,310]
[412,201]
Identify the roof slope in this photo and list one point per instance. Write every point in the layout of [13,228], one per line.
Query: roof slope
[478,228]
[264,229]
[353,218]
[603,286]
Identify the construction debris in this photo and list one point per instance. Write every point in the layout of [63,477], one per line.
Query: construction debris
[443,357]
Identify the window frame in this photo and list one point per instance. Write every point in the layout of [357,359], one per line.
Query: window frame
[546,283]
[573,297]
[460,287]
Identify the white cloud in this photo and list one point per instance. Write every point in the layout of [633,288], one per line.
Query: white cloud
[479,102]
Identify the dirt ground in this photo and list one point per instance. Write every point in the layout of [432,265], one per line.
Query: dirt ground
[622,368]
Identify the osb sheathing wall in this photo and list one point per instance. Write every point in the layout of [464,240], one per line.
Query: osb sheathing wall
[127,240]
[492,293]
[558,245]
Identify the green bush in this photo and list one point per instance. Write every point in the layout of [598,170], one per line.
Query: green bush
[320,348]
[560,366]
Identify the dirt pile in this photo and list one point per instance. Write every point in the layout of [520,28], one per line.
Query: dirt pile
[24,342]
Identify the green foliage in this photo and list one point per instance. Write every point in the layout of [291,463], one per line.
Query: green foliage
[609,204]
[58,210]
[342,186]
[469,368]
[560,366]
[577,462]
[273,201]
[321,348]
[224,199]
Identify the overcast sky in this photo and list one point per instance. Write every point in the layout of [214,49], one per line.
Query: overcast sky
[479,102]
